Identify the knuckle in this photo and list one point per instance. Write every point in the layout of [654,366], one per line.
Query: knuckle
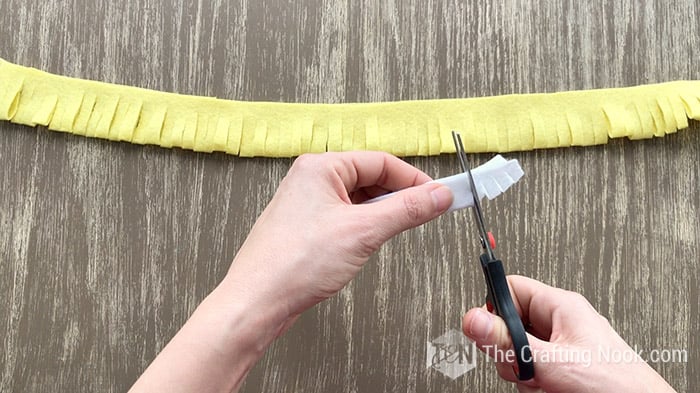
[577,299]
[579,303]
[413,208]
[506,371]
[305,161]
[367,244]
[364,240]
[501,336]
[309,165]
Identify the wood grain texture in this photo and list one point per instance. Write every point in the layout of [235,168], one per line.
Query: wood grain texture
[106,248]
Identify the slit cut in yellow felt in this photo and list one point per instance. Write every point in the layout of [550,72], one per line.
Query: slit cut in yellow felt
[404,128]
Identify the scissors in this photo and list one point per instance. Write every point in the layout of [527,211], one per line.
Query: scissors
[498,297]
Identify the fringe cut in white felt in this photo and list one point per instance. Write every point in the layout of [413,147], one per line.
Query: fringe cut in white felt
[491,180]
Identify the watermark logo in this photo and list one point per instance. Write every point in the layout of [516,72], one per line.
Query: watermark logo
[452,354]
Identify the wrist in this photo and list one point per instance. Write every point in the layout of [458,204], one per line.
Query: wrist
[249,320]
[651,381]
[634,376]
[214,351]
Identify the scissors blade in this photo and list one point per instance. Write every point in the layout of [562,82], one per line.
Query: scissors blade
[478,215]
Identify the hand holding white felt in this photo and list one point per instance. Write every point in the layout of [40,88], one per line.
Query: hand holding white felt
[316,234]
[491,180]
[311,240]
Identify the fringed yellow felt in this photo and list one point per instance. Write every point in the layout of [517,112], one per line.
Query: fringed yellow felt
[405,128]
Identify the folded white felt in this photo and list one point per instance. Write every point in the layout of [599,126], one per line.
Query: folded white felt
[491,180]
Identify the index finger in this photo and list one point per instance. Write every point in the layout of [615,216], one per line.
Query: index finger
[362,169]
[542,306]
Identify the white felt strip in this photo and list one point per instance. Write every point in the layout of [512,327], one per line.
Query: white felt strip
[491,180]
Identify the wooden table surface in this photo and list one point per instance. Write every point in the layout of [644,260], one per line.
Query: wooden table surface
[106,248]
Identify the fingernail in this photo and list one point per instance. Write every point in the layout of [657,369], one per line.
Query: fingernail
[482,323]
[442,198]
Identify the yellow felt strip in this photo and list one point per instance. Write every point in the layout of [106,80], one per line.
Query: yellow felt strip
[646,121]
[692,105]
[150,125]
[44,110]
[319,138]
[411,138]
[102,116]
[667,112]
[496,124]
[306,129]
[348,134]
[234,135]
[335,134]
[372,134]
[81,121]
[359,139]
[221,134]
[276,141]
[434,145]
[67,110]
[125,121]
[259,138]
[9,96]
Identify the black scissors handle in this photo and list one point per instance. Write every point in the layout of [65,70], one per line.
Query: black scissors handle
[499,296]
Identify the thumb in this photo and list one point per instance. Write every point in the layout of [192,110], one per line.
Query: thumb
[522,388]
[487,331]
[491,336]
[408,208]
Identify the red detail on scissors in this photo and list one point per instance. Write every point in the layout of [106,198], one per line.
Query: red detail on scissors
[492,240]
